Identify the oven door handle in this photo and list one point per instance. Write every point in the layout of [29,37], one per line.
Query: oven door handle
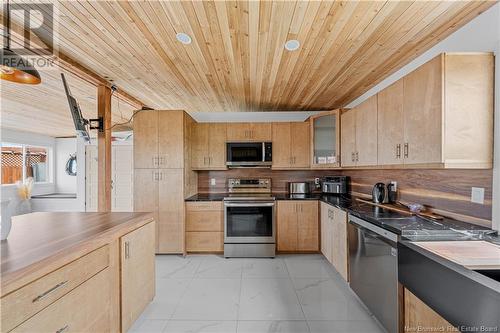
[264,204]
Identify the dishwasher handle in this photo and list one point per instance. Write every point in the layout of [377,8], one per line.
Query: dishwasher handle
[385,234]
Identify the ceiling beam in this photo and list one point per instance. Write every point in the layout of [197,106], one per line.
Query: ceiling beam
[68,64]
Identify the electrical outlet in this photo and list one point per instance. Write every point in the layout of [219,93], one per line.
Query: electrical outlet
[316,181]
[477,195]
[212,182]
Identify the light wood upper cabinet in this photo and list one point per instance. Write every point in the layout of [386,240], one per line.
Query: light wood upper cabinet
[291,145]
[325,140]
[137,272]
[390,124]
[300,145]
[281,145]
[146,140]
[359,134]
[298,226]
[199,145]
[217,146]
[208,146]
[348,138]
[423,106]
[240,132]
[158,139]
[440,115]
[171,139]
[366,132]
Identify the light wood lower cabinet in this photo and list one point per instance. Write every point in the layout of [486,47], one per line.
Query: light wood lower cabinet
[334,239]
[297,226]
[84,309]
[204,227]
[30,299]
[137,272]
[419,317]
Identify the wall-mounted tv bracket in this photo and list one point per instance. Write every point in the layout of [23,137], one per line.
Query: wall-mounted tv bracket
[96,124]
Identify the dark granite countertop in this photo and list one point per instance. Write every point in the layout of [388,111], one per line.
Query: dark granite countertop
[409,227]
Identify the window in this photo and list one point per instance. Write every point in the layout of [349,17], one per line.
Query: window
[23,161]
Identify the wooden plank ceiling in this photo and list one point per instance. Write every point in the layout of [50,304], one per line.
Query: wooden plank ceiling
[237,61]
[44,108]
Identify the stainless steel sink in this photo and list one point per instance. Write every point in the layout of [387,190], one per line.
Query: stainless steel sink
[491,273]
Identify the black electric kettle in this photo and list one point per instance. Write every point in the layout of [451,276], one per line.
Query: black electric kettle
[378,193]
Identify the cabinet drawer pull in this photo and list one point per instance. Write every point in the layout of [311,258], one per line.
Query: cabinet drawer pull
[48,292]
[406,149]
[63,329]
[398,150]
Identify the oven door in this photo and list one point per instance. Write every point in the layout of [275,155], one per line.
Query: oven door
[249,222]
[245,153]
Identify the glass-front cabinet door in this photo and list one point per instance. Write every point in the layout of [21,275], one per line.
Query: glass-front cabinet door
[326,139]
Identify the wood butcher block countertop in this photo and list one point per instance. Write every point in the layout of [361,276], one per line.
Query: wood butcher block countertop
[42,242]
[470,254]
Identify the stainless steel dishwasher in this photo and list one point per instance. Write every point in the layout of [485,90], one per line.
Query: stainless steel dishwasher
[373,269]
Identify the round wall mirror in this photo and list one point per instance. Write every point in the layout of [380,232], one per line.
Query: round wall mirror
[71,165]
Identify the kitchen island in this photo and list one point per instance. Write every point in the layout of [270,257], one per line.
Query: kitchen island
[84,271]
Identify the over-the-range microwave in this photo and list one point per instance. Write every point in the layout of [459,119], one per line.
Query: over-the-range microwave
[249,154]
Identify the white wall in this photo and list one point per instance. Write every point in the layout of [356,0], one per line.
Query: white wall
[64,148]
[268,116]
[480,35]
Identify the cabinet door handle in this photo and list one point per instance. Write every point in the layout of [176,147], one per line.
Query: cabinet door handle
[63,329]
[398,150]
[48,292]
[357,156]
[406,149]
[127,250]
[352,157]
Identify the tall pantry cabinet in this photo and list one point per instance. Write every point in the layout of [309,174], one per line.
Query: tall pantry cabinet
[162,173]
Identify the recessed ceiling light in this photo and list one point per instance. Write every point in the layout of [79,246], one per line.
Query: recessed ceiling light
[183,38]
[292,45]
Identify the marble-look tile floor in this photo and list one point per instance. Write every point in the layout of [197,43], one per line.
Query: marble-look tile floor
[290,294]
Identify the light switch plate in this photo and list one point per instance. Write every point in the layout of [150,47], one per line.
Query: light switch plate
[477,195]
[212,181]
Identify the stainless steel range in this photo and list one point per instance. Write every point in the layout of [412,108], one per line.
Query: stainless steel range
[249,219]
